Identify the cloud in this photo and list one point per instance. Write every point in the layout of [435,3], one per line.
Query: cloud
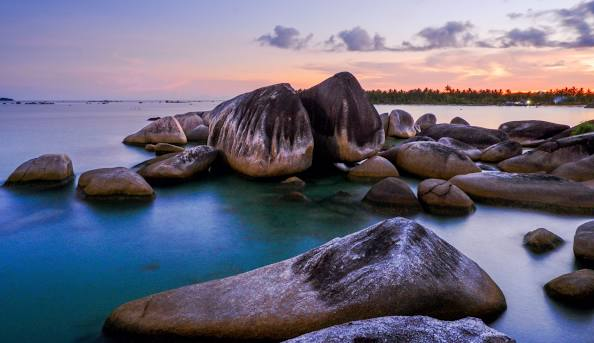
[531,37]
[453,34]
[285,38]
[356,39]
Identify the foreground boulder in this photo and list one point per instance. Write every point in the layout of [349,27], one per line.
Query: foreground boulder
[409,329]
[473,135]
[580,170]
[263,133]
[393,193]
[541,191]
[373,169]
[433,160]
[459,121]
[346,126]
[542,240]
[575,288]
[583,242]
[189,121]
[198,134]
[395,267]
[464,148]
[425,121]
[163,130]
[179,166]
[501,151]
[402,124]
[114,184]
[441,197]
[531,132]
[45,171]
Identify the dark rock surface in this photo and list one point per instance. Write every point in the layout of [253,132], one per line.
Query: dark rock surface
[198,134]
[464,148]
[393,193]
[189,121]
[473,135]
[373,169]
[179,166]
[441,197]
[401,124]
[425,121]
[114,184]
[459,121]
[501,151]
[163,130]
[575,288]
[583,242]
[580,170]
[45,171]
[542,240]
[531,132]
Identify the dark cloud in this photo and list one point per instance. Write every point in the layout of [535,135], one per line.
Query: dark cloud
[515,15]
[578,20]
[531,37]
[285,38]
[453,34]
[356,39]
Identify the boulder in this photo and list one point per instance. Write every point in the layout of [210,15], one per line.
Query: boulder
[373,169]
[163,130]
[346,126]
[163,148]
[393,193]
[473,135]
[501,151]
[583,242]
[395,267]
[179,166]
[425,121]
[542,240]
[433,160]
[263,133]
[572,131]
[189,121]
[464,148]
[45,171]
[385,118]
[575,288]
[540,191]
[551,155]
[409,329]
[580,170]
[293,182]
[114,184]
[402,124]
[487,167]
[198,134]
[417,139]
[441,197]
[459,121]
[531,132]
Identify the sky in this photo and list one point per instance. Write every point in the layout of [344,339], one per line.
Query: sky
[182,49]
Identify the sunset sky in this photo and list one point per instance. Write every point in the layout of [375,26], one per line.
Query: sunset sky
[216,49]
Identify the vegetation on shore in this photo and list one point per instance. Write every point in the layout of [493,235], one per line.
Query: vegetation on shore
[585,127]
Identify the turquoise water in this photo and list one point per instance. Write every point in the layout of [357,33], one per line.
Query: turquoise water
[65,264]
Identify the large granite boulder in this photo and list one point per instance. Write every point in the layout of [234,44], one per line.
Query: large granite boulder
[402,124]
[464,148]
[425,121]
[551,155]
[395,267]
[393,193]
[373,169]
[473,135]
[406,329]
[163,130]
[189,121]
[441,197]
[528,190]
[459,121]
[179,166]
[114,184]
[583,242]
[541,240]
[346,126]
[198,134]
[263,133]
[45,171]
[501,151]
[575,288]
[433,160]
[531,132]
[580,170]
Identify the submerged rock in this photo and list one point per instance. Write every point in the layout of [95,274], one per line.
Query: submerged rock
[459,121]
[373,169]
[293,182]
[189,121]
[198,134]
[531,132]
[425,121]
[406,329]
[473,135]
[501,151]
[346,126]
[441,197]
[114,184]
[575,288]
[45,171]
[542,240]
[433,160]
[393,193]
[163,130]
[464,148]
[580,170]
[583,242]
[179,166]
[295,197]
[394,267]
[263,133]
[402,124]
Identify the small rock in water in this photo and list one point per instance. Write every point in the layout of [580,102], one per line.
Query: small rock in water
[295,197]
[583,242]
[43,172]
[114,184]
[575,288]
[393,193]
[542,240]
[293,182]
[441,197]
[373,169]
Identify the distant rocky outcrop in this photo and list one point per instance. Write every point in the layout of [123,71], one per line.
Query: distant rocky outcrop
[6,99]
[45,171]
[473,135]
[163,130]
[531,132]
[114,184]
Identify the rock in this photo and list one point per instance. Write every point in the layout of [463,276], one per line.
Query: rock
[575,288]
[417,139]
[346,126]
[473,135]
[263,133]
[114,184]
[572,130]
[501,151]
[179,166]
[150,147]
[589,183]
[528,190]
[373,169]
[583,242]
[542,240]
[394,267]
[409,329]
[206,117]
[402,124]
[393,193]
[293,182]
[198,134]
[580,170]
[551,155]
[459,121]
[441,197]
[45,171]
[487,167]
[464,148]
[531,132]
[189,121]
[385,118]
[425,121]
[163,148]
[164,130]
[153,118]
[295,197]
[433,160]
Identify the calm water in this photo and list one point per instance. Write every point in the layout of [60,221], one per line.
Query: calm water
[65,264]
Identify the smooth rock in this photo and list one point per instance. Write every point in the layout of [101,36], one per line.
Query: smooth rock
[394,267]
[393,193]
[589,183]
[459,121]
[402,124]
[575,288]
[189,121]
[293,182]
[295,197]
[45,171]
[473,135]
[114,184]
[425,121]
[486,167]
[580,170]
[464,148]
[583,242]
[542,240]
[150,147]
[179,166]
[198,134]
[164,130]
[164,148]
[531,132]
[385,118]
[263,133]
[441,197]
[501,151]
[433,160]
[373,169]
[346,126]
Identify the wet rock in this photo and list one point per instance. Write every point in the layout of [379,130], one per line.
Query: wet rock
[433,160]
[409,329]
[293,182]
[373,169]
[473,135]
[583,242]
[542,240]
[487,167]
[425,121]
[540,191]
[464,148]
[501,151]
[580,170]
[114,184]
[263,133]
[198,134]
[164,130]
[393,193]
[346,126]
[459,121]
[45,171]
[402,124]
[575,288]
[441,197]
[163,148]
[179,166]
[394,267]
[531,132]
[385,118]
[295,197]
[189,121]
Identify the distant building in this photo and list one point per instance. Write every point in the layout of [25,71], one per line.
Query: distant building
[559,99]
